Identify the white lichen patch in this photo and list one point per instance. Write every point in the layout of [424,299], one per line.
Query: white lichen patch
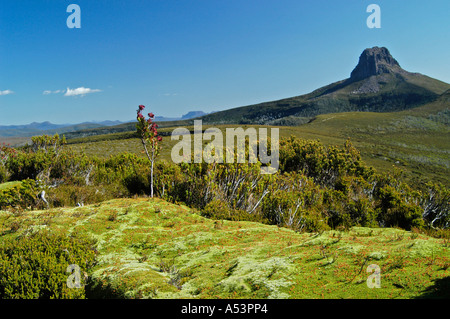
[199,238]
[201,257]
[320,239]
[352,249]
[377,255]
[248,273]
[424,248]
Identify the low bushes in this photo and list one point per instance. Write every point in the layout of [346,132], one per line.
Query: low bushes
[20,196]
[399,207]
[435,203]
[6,154]
[3,174]
[324,165]
[315,188]
[35,266]
[294,201]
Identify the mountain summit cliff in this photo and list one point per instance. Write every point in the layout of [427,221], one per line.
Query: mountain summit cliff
[375,61]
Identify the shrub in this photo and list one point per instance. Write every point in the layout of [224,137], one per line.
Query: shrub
[28,165]
[76,169]
[325,165]
[398,208]
[3,174]
[170,181]
[218,209]
[127,169]
[34,267]
[294,201]
[21,196]
[47,143]
[6,153]
[240,185]
[137,182]
[71,195]
[50,165]
[436,206]
[351,203]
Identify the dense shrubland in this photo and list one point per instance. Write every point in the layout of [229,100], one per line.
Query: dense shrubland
[316,187]
[35,266]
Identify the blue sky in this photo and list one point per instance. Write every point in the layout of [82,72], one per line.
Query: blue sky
[209,55]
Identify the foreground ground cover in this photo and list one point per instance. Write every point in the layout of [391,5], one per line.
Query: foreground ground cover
[149,248]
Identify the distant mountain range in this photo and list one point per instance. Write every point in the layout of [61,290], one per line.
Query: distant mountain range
[49,128]
[193,114]
[187,116]
[36,128]
[44,126]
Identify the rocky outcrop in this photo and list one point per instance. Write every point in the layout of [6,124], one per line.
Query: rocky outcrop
[375,61]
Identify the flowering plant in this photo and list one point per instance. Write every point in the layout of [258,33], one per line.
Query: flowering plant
[148,132]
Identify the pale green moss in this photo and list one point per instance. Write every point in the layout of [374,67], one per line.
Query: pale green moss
[249,271]
[377,255]
[351,248]
[424,248]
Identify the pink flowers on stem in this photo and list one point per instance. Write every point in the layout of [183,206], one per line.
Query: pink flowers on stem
[148,131]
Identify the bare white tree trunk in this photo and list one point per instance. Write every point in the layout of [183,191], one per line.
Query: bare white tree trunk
[151,177]
[152,160]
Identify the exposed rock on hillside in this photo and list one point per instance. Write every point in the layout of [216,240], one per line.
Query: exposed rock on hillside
[375,61]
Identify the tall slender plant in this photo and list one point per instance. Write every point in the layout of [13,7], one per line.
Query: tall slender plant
[148,132]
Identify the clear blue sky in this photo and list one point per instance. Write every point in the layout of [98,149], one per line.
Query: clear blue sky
[209,55]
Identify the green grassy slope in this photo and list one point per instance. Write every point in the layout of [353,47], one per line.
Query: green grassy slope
[417,140]
[149,248]
[382,93]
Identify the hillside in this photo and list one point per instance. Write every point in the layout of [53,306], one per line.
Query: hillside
[149,248]
[377,84]
[416,140]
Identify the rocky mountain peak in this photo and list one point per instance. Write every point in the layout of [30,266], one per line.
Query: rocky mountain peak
[375,61]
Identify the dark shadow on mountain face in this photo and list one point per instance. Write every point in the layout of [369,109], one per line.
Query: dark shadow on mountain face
[440,290]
